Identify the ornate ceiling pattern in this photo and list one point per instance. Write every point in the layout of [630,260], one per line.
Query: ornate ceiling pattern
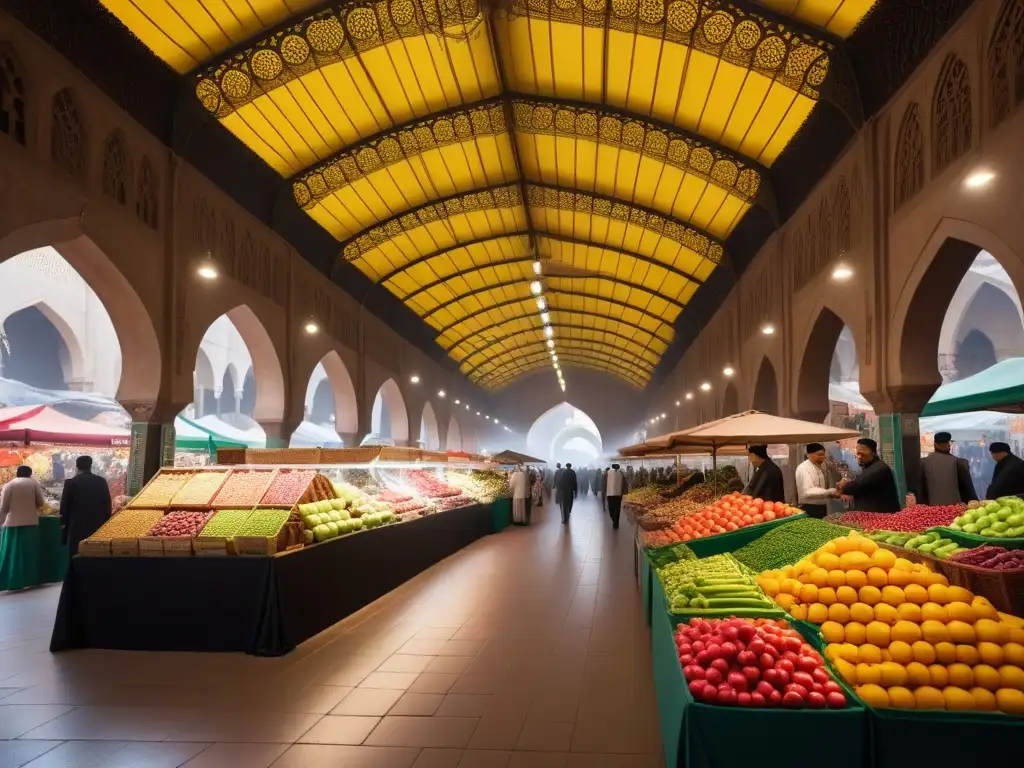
[543,182]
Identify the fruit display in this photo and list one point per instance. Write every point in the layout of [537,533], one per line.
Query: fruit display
[128,524]
[161,489]
[929,543]
[999,519]
[729,513]
[453,502]
[754,663]
[483,485]
[713,585]
[914,518]
[199,490]
[180,523]
[642,495]
[993,558]
[900,634]
[667,512]
[264,523]
[288,487]
[225,522]
[786,544]
[244,488]
[426,484]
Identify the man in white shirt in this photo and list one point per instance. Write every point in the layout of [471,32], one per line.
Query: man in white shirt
[615,486]
[812,488]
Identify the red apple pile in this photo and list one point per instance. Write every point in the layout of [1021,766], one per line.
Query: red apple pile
[754,663]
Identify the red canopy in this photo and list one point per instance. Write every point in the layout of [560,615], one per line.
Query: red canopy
[41,424]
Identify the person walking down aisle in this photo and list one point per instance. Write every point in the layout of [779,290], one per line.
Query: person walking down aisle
[766,483]
[19,531]
[568,487]
[555,484]
[945,479]
[812,489]
[1008,476]
[84,505]
[874,489]
[519,484]
[615,487]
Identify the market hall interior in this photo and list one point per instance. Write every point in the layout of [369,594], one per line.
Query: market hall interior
[525,649]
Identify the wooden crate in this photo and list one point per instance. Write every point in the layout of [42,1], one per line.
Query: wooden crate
[231,455]
[399,453]
[361,455]
[94,548]
[177,546]
[262,546]
[282,456]
[211,546]
[151,546]
[124,547]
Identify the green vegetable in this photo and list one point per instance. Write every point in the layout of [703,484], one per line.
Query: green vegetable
[226,522]
[786,544]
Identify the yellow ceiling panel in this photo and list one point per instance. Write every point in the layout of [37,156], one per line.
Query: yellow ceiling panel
[464,289]
[840,17]
[449,315]
[531,359]
[187,33]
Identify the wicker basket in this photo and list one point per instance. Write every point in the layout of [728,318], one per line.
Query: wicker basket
[231,455]
[363,455]
[1004,589]
[399,453]
[437,456]
[282,456]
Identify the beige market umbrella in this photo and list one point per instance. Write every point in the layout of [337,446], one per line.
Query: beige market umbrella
[755,427]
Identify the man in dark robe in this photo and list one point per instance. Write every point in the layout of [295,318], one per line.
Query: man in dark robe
[84,505]
[766,483]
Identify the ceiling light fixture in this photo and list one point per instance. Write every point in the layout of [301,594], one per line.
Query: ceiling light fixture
[441,393]
[542,304]
[663,415]
[677,403]
[689,395]
[497,422]
[312,328]
[545,317]
[457,402]
[554,357]
[767,329]
[467,406]
[536,267]
[549,331]
[535,287]
[706,386]
[728,371]
[478,413]
[551,343]
[208,272]
[414,379]
[979,179]
[842,272]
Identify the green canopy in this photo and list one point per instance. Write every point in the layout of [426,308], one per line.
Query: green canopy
[189,436]
[999,388]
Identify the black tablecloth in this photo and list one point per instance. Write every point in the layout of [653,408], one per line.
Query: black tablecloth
[261,605]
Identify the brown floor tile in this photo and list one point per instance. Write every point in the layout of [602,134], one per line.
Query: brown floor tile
[538,760]
[406,663]
[436,633]
[418,704]
[461,647]
[334,756]
[423,732]
[423,647]
[374,702]
[396,681]
[465,705]
[340,729]
[118,754]
[431,682]
[450,664]
[545,736]
[438,758]
[485,758]
[226,755]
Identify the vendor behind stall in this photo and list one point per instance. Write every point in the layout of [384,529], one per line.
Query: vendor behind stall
[874,490]
[20,503]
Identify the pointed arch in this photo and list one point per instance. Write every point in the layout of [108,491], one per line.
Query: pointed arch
[812,401]
[12,95]
[952,119]
[391,400]
[117,168]
[1006,62]
[68,136]
[346,407]
[430,434]
[766,388]
[908,163]
[730,400]
[454,437]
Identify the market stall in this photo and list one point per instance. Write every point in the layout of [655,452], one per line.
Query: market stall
[259,558]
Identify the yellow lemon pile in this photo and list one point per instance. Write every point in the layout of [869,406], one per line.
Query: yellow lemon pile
[900,634]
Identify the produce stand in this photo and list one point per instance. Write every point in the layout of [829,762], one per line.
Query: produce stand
[261,605]
[501,514]
[969,540]
[727,542]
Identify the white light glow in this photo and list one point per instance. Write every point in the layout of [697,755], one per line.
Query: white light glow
[545,317]
[312,328]
[728,371]
[441,393]
[414,379]
[208,272]
[549,331]
[536,267]
[979,179]
[677,403]
[842,272]
[768,329]
[457,402]
[535,287]
[551,343]
[554,357]
[542,304]
[689,395]
[706,386]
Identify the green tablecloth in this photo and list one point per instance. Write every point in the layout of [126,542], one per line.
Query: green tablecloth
[647,574]
[699,735]
[53,556]
[501,514]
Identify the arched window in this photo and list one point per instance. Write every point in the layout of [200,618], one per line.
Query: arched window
[843,239]
[147,197]
[67,134]
[951,110]
[1006,62]
[909,158]
[825,253]
[116,168]
[12,96]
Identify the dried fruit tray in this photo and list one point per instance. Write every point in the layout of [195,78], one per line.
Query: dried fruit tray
[119,536]
[289,488]
[244,488]
[200,489]
[263,533]
[159,491]
[216,538]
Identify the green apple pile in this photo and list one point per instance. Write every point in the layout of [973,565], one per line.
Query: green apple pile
[932,543]
[999,519]
[353,512]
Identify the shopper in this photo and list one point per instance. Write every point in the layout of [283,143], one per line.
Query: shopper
[558,479]
[84,505]
[1008,475]
[874,489]
[538,496]
[812,491]
[766,483]
[21,500]
[568,487]
[614,489]
[519,485]
[945,479]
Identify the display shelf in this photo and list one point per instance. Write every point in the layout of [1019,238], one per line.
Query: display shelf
[159,492]
[244,488]
[199,489]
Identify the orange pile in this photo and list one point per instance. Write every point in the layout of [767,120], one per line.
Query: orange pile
[900,634]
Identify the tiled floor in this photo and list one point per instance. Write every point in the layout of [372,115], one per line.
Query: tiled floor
[525,650]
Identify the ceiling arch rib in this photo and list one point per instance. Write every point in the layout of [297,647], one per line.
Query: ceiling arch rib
[581,357]
[525,233]
[503,354]
[610,361]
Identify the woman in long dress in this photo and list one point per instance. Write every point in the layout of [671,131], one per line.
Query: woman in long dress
[19,531]
[519,484]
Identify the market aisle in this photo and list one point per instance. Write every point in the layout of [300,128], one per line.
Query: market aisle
[525,649]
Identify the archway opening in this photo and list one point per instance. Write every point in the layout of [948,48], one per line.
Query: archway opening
[565,433]
[389,419]
[454,437]
[766,389]
[329,409]
[430,437]
[730,400]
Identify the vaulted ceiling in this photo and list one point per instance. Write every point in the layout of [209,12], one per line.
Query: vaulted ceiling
[537,180]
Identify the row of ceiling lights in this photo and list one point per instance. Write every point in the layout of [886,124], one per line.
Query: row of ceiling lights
[537,289]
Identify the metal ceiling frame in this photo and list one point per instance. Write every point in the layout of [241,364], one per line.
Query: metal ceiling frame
[544,235]
[524,363]
[647,366]
[468,271]
[584,313]
[427,257]
[569,326]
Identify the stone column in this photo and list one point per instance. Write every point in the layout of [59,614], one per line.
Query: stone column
[151,442]
[279,433]
[899,432]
